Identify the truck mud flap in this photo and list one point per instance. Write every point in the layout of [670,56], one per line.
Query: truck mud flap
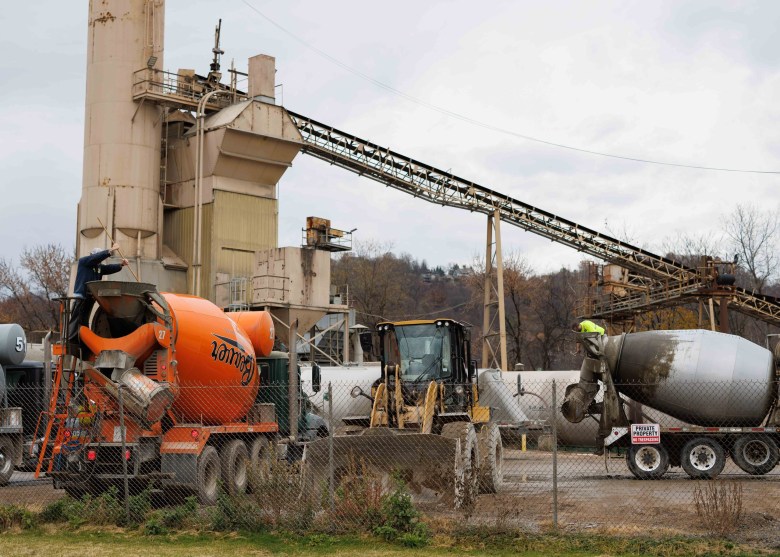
[427,463]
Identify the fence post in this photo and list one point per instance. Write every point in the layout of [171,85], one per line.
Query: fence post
[331,487]
[554,454]
[122,435]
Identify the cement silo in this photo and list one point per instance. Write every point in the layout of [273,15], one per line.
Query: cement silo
[122,139]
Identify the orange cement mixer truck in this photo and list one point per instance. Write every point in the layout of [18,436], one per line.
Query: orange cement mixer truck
[179,376]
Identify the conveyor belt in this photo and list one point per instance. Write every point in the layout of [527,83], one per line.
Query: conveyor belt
[444,188]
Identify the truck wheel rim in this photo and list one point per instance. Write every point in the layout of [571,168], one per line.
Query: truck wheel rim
[647,459]
[702,457]
[210,478]
[756,453]
[241,472]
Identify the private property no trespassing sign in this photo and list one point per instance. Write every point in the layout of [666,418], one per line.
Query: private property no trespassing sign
[645,434]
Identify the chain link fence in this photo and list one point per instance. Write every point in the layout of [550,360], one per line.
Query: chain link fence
[526,468]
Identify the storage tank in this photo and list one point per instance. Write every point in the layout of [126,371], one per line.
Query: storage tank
[536,402]
[13,347]
[702,377]
[343,379]
[13,344]
[121,177]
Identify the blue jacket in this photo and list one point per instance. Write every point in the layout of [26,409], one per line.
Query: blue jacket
[89,269]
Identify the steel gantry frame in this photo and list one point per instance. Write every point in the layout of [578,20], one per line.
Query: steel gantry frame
[494,314]
[674,282]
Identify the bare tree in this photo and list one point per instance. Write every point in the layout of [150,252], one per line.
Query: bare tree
[377,281]
[622,232]
[27,291]
[689,249]
[753,235]
[554,299]
[517,272]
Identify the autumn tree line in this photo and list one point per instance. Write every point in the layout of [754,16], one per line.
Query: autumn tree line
[540,307]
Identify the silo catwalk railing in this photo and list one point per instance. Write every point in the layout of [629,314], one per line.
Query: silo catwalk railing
[444,188]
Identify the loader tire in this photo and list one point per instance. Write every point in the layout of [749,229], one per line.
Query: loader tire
[703,458]
[235,467]
[464,483]
[491,464]
[755,454]
[209,472]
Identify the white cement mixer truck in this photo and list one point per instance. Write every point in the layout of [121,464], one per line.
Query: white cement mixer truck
[723,386]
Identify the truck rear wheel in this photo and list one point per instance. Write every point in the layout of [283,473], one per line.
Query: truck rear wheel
[647,462]
[208,476]
[261,453]
[755,454]
[702,458]
[465,481]
[491,465]
[235,465]
[6,460]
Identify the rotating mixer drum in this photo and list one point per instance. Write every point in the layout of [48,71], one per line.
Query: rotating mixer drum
[701,377]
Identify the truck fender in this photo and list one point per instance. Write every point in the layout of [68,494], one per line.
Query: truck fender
[614,435]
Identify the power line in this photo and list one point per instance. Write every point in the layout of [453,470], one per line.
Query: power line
[456,306]
[491,127]
[383,318]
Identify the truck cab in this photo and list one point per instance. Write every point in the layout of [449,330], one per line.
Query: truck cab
[274,381]
[429,350]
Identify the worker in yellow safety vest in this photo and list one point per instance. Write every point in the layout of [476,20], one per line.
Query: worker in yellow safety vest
[587,327]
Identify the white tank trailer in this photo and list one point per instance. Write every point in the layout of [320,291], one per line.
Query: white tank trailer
[531,410]
[13,347]
[724,386]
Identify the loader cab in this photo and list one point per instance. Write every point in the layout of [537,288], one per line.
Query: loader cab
[429,350]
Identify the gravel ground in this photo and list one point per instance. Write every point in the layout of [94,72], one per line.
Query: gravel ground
[591,496]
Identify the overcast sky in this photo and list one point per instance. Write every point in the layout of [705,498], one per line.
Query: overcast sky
[683,82]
